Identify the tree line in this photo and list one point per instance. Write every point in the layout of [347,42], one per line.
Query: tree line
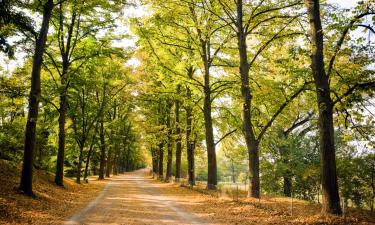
[78,120]
[257,74]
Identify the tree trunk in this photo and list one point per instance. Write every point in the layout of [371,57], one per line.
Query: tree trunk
[108,170]
[86,173]
[287,174]
[169,144]
[254,182]
[161,158]
[178,139]
[189,143]
[115,160]
[35,90]
[102,151]
[233,172]
[154,154]
[79,166]
[65,55]
[191,162]
[287,186]
[250,138]
[331,199]
[169,161]
[209,134]
[211,153]
[61,143]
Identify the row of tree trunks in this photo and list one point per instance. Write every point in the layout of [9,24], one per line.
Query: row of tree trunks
[158,153]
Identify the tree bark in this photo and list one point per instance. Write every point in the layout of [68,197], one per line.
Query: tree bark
[285,156]
[254,181]
[161,158]
[116,159]
[250,138]
[79,166]
[169,143]
[287,186]
[108,170]
[26,184]
[102,151]
[85,175]
[154,153]
[169,160]
[331,199]
[189,142]
[207,109]
[65,55]
[178,138]
[61,143]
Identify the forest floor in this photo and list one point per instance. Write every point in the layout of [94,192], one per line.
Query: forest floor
[136,198]
[52,204]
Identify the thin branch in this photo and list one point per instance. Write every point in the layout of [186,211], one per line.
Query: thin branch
[281,108]
[342,38]
[226,135]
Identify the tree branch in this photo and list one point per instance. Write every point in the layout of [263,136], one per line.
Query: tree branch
[226,135]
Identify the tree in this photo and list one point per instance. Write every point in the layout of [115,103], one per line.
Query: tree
[331,200]
[75,23]
[247,20]
[30,133]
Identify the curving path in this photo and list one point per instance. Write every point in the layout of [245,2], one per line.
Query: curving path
[135,199]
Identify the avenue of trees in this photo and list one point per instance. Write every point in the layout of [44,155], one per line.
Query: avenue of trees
[276,83]
[275,94]
[73,116]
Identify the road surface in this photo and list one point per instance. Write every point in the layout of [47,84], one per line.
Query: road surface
[134,198]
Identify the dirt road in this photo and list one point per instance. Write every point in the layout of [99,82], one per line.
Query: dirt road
[134,198]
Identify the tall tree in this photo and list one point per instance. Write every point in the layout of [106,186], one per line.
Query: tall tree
[331,200]
[30,132]
[329,176]
[247,19]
